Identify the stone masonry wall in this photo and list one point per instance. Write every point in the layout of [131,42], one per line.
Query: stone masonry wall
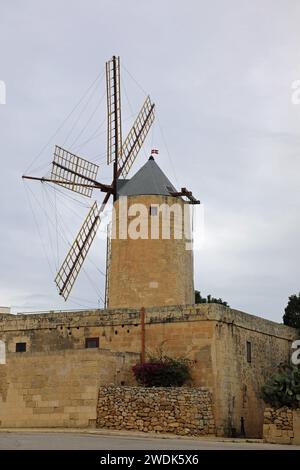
[282,426]
[239,378]
[212,336]
[57,389]
[148,271]
[184,411]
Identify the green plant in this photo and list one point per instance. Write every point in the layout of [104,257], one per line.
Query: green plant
[163,371]
[291,316]
[283,387]
[208,300]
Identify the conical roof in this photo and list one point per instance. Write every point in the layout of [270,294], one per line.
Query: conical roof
[150,179]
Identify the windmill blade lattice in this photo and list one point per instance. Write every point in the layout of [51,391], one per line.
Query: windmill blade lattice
[71,266]
[69,168]
[114,129]
[136,137]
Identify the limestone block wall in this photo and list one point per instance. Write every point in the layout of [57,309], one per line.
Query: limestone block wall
[57,389]
[282,426]
[212,336]
[147,272]
[178,410]
[182,332]
[240,376]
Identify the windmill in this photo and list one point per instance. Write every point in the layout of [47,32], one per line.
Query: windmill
[80,175]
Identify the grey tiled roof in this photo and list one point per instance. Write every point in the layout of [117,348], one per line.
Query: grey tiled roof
[150,179]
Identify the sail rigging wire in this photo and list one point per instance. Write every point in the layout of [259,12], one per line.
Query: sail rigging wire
[97,133]
[159,124]
[134,79]
[94,135]
[48,226]
[56,231]
[131,108]
[64,229]
[99,102]
[60,221]
[98,77]
[63,236]
[45,167]
[81,113]
[81,299]
[100,157]
[126,96]
[48,219]
[74,212]
[167,149]
[152,135]
[82,305]
[66,195]
[27,189]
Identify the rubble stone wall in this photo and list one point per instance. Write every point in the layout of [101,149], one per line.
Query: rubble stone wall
[178,410]
[282,426]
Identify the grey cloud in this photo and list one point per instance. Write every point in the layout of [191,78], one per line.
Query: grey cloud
[221,74]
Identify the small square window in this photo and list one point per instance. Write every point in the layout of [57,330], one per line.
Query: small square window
[91,343]
[153,210]
[20,347]
[249,352]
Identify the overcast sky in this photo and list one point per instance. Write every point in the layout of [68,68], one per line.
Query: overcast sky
[220,73]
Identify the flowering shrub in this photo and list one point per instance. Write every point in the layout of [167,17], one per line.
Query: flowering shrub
[163,372]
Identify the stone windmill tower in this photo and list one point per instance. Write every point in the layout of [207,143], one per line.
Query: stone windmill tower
[150,260]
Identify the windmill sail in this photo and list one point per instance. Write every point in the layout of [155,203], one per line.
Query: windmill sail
[136,137]
[114,130]
[71,266]
[79,175]
[108,262]
[69,168]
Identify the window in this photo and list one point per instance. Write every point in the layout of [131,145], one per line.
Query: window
[20,347]
[92,342]
[153,210]
[248,344]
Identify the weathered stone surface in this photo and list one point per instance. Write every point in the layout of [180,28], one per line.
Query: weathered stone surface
[281,426]
[55,389]
[150,405]
[130,284]
[57,367]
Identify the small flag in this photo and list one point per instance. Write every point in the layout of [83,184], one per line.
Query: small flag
[154,152]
